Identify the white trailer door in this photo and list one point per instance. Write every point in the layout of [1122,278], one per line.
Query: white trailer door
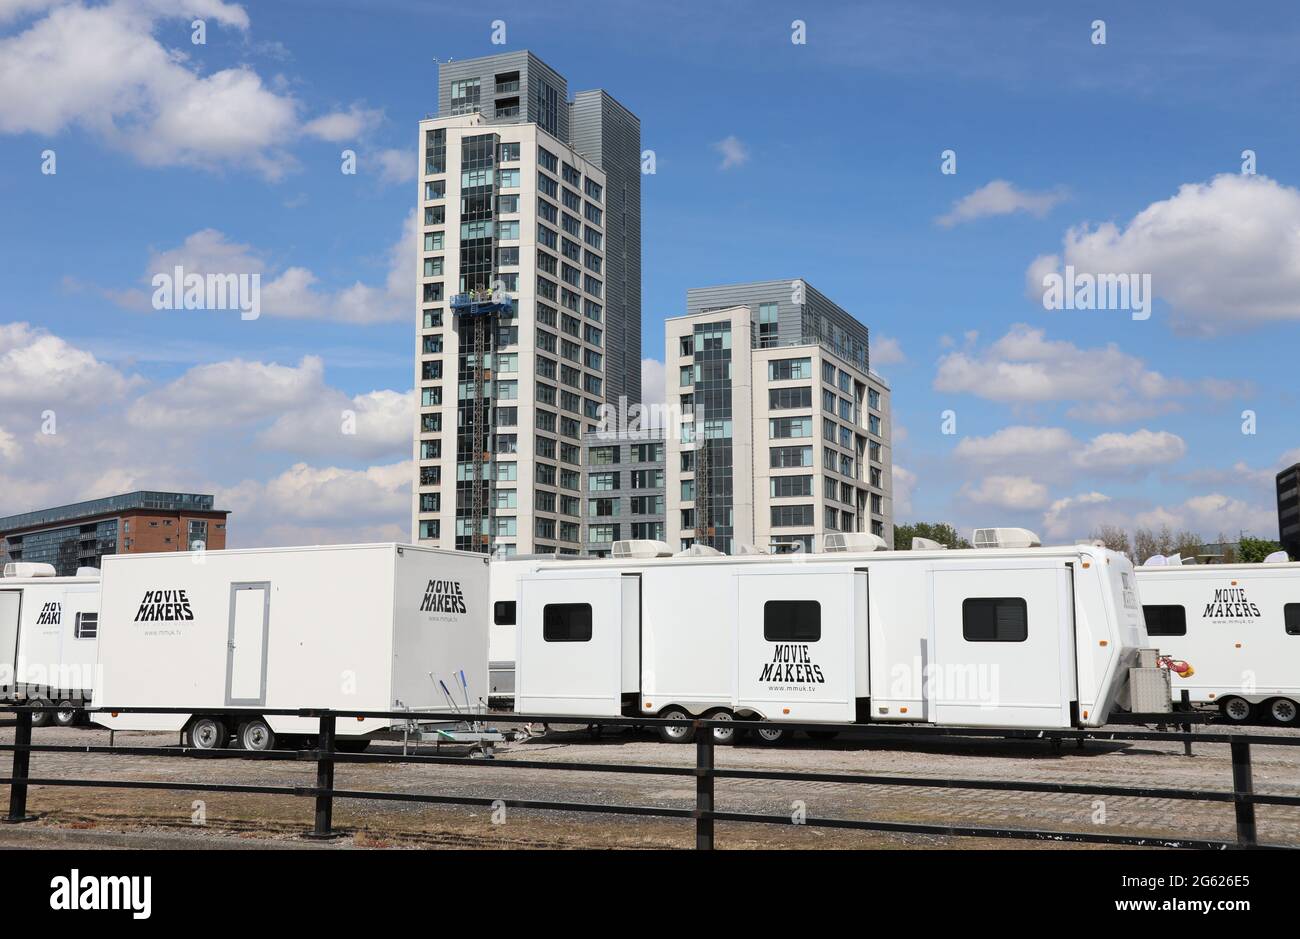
[1002,643]
[571,636]
[10,604]
[795,645]
[250,607]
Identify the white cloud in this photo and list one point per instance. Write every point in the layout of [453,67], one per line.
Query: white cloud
[733,150]
[1140,450]
[1015,493]
[1000,197]
[228,393]
[1222,254]
[343,126]
[654,388]
[293,292]
[1208,515]
[101,69]
[1076,516]
[886,350]
[397,166]
[41,370]
[1025,367]
[903,481]
[366,426]
[1015,444]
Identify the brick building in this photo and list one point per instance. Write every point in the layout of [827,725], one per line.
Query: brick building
[78,535]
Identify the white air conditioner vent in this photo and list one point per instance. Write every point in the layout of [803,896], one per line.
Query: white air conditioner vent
[700,551]
[928,544]
[88,572]
[1277,557]
[837,542]
[641,548]
[29,569]
[1005,538]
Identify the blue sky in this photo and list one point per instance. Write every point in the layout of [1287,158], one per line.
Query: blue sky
[773,159]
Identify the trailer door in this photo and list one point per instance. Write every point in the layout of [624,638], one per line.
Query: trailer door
[250,607]
[571,635]
[1002,639]
[795,645]
[10,605]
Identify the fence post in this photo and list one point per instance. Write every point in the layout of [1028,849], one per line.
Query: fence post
[21,765]
[1187,728]
[1242,785]
[703,787]
[325,777]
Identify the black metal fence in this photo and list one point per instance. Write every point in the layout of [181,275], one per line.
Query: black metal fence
[326,755]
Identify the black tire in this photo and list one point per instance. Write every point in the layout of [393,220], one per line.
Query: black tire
[352,745]
[66,715]
[1237,710]
[772,736]
[725,736]
[255,736]
[675,734]
[206,733]
[823,734]
[1284,711]
[41,718]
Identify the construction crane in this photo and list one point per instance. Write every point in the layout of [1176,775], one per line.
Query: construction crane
[479,310]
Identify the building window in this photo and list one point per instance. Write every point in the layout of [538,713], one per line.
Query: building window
[789,369]
[781,399]
[781,428]
[782,457]
[789,516]
[792,621]
[785,487]
[430,528]
[994,619]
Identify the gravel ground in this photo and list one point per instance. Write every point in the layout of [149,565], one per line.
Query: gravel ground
[90,816]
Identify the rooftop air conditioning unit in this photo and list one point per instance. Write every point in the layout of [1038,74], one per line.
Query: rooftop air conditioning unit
[749,549]
[700,551]
[1277,557]
[927,544]
[838,542]
[1156,560]
[88,572]
[641,548]
[1006,538]
[29,569]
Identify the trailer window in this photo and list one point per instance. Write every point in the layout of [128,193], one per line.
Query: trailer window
[503,613]
[1166,620]
[86,626]
[1291,613]
[994,619]
[566,622]
[792,621]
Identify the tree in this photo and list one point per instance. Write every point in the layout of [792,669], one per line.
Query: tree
[1187,544]
[1254,550]
[1113,537]
[941,532]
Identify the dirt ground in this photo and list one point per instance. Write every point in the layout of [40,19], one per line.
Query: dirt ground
[90,817]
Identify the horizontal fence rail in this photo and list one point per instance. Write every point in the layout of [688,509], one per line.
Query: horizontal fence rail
[324,753]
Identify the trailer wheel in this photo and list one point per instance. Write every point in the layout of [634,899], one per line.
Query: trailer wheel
[66,715]
[1283,710]
[207,733]
[724,735]
[1237,710]
[40,718]
[772,736]
[256,735]
[675,734]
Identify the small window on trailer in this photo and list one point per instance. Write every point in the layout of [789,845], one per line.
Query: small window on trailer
[1291,615]
[994,619]
[566,622]
[86,626]
[503,613]
[1166,619]
[792,621]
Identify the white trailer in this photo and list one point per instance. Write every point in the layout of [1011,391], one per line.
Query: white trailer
[48,628]
[1238,626]
[1024,638]
[505,573]
[355,627]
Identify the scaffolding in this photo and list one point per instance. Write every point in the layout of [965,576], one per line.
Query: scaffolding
[704,529]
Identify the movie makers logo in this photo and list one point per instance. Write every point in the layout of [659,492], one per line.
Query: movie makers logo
[51,615]
[164,606]
[791,665]
[443,596]
[1230,605]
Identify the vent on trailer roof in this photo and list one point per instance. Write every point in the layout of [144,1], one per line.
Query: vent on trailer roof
[854,541]
[699,551]
[928,544]
[641,548]
[1005,538]
[29,569]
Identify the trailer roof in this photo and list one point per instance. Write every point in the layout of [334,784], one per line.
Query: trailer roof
[831,557]
[379,545]
[1237,568]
